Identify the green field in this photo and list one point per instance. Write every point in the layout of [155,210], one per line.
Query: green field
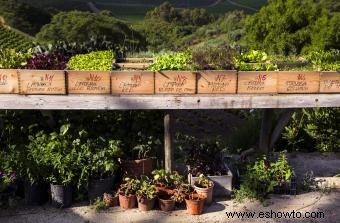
[13,39]
[135,10]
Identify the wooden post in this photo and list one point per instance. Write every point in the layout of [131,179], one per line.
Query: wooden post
[266,130]
[168,153]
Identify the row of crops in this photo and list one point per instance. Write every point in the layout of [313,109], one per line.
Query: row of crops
[10,39]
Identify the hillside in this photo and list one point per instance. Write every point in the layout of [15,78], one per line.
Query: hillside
[13,39]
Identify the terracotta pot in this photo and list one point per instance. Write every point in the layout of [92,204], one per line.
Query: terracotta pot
[145,204]
[111,200]
[195,204]
[127,202]
[207,192]
[164,191]
[137,167]
[165,203]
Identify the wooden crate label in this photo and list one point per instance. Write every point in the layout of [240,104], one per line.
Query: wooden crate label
[132,82]
[9,81]
[175,82]
[257,82]
[42,82]
[330,82]
[89,82]
[217,82]
[299,81]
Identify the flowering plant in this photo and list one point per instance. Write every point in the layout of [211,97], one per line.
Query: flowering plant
[6,180]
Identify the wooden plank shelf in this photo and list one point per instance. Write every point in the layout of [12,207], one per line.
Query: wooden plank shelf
[160,102]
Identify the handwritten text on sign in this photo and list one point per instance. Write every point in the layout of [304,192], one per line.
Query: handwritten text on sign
[8,81]
[89,82]
[213,82]
[257,82]
[298,82]
[330,82]
[42,82]
[168,82]
[132,82]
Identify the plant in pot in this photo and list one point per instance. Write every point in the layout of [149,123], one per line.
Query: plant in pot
[146,194]
[167,202]
[204,186]
[111,199]
[165,181]
[102,165]
[127,193]
[195,203]
[7,187]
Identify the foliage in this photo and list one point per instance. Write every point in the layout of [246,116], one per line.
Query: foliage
[47,61]
[164,178]
[130,187]
[10,58]
[325,60]
[99,204]
[214,58]
[203,181]
[6,180]
[76,26]
[205,158]
[263,176]
[100,60]
[254,61]
[22,16]
[146,190]
[145,146]
[291,27]
[10,39]
[173,61]
[314,129]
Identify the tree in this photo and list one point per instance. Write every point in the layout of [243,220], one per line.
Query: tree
[76,26]
[291,27]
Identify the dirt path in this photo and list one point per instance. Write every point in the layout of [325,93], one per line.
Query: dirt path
[328,204]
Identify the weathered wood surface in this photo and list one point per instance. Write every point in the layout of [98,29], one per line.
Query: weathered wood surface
[133,65]
[107,102]
[330,82]
[168,151]
[89,82]
[9,81]
[257,82]
[217,82]
[133,82]
[175,82]
[299,81]
[42,82]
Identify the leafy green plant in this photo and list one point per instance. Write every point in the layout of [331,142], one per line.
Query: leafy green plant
[214,58]
[146,190]
[99,60]
[163,178]
[173,61]
[325,60]
[10,58]
[203,181]
[99,204]
[130,187]
[6,180]
[254,60]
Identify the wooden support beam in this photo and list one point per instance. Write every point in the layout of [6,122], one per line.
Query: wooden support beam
[168,150]
[266,129]
[154,102]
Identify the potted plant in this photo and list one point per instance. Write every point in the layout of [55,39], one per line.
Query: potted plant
[111,199]
[7,186]
[204,186]
[165,181]
[127,193]
[195,203]
[146,195]
[167,202]
[102,165]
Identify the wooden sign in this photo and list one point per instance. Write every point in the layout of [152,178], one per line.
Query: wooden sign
[175,82]
[257,82]
[42,82]
[217,82]
[330,82]
[132,82]
[299,81]
[9,81]
[89,82]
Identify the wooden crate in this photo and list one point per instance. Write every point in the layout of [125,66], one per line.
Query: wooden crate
[299,82]
[42,82]
[217,82]
[330,82]
[9,81]
[89,82]
[175,82]
[132,82]
[257,82]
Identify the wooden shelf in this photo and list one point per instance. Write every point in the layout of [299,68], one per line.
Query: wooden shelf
[159,102]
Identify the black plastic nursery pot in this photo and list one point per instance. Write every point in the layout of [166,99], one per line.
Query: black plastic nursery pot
[61,195]
[36,194]
[98,187]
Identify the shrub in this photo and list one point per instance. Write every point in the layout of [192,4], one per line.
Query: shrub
[100,60]
[173,61]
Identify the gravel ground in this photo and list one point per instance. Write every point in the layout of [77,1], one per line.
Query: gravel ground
[328,203]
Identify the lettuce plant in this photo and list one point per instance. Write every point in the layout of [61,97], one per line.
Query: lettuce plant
[10,58]
[99,60]
[173,61]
